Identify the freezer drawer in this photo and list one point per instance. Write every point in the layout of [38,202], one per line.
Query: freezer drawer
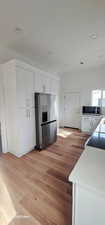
[49,134]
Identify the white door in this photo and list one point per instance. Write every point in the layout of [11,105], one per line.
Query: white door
[72,109]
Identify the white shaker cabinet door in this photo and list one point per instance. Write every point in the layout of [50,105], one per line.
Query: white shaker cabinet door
[26,130]
[88,207]
[95,122]
[46,84]
[86,125]
[89,123]
[54,86]
[42,83]
[25,88]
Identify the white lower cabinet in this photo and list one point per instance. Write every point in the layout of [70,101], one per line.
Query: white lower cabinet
[88,206]
[89,123]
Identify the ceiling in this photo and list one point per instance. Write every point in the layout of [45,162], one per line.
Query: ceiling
[55,35]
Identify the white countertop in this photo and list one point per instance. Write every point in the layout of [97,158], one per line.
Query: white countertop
[90,169]
[91,115]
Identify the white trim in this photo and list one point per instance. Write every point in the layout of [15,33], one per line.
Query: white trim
[3,116]
[23,153]
[34,69]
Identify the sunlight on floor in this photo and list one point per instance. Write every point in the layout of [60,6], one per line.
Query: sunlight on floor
[7,210]
[63,133]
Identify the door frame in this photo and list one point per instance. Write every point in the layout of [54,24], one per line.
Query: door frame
[65,93]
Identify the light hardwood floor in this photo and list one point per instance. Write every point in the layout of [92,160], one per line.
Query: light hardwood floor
[34,189]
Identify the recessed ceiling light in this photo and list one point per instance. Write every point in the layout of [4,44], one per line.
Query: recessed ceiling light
[93,36]
[18,30]
[101,56]
[50,52]
[81,62]
[66,64]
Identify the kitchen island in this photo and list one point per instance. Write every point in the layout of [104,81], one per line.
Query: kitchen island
[89,181]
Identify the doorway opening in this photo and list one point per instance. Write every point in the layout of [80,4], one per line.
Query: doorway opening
[72,109]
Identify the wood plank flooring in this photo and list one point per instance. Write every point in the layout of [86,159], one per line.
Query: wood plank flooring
[34,189]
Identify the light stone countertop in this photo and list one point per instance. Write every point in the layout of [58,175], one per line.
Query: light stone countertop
[90,168]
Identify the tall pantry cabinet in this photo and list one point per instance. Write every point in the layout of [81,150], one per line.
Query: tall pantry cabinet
[20,82]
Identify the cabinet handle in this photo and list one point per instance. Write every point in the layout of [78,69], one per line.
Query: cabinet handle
[27,102]
[28,113]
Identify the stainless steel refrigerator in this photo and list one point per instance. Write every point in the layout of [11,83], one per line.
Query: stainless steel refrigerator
[46,120]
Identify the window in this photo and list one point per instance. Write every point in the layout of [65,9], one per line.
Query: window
[98,98]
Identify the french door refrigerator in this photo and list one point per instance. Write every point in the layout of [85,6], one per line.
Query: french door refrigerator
[46,120]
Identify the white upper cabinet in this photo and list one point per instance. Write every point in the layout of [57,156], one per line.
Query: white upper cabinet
[42,82]
[25,87]
[45,83]
[54,86]
[37,81]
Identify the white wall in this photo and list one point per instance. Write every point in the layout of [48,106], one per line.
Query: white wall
[2,113]
[83,81]
[0,92]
